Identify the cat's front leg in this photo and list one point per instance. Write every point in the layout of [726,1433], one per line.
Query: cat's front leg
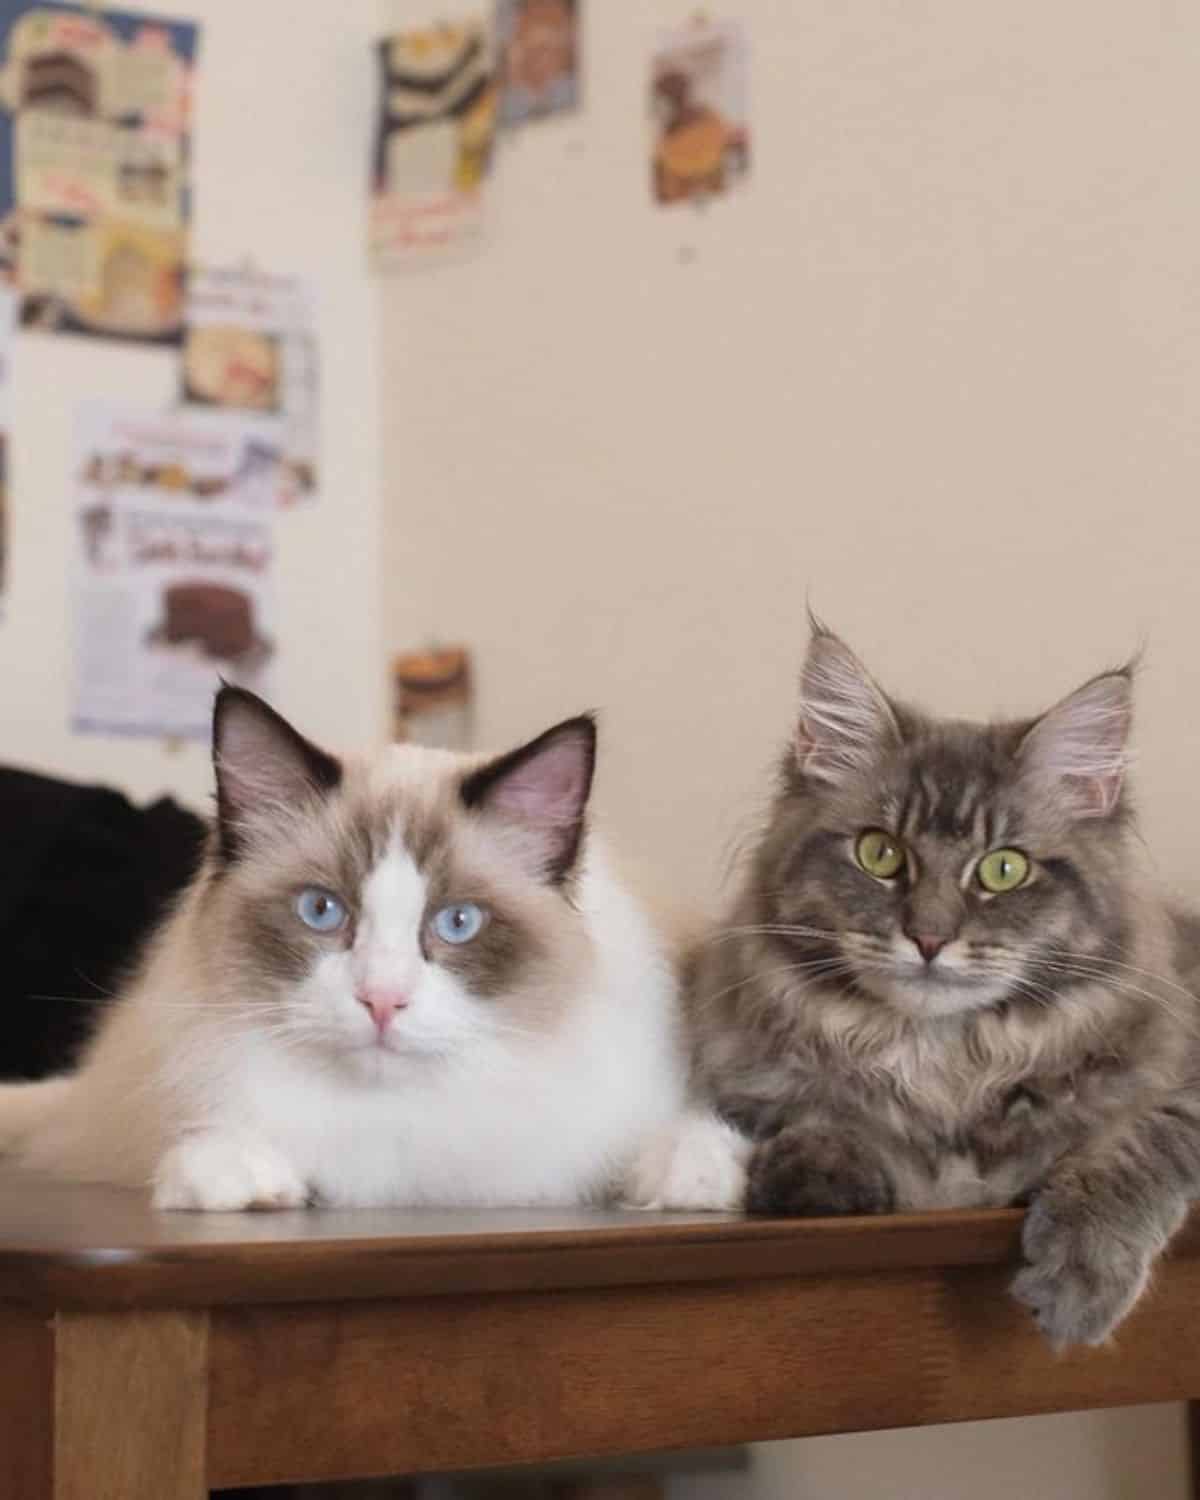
[1091,1238]
[696,1163]
[817,1171]
[217,1172]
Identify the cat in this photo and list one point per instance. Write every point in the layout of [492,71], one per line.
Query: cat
[406,979]
[947,980]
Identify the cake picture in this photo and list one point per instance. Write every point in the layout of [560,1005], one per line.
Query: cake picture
[97,185]
[698,105]
[225,365]
[59,81]
[432,703]
[218,619]
[439,108]
[140,283]
[435,72]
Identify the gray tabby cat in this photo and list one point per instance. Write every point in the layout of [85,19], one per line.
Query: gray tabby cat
[948,981]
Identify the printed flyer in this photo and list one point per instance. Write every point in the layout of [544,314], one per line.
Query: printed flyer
[94,190]
[539,50]
[698,110]
[434,142]
[173,569]
[250,345]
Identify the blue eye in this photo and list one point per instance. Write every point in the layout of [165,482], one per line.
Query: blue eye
[320,909]
[459,924]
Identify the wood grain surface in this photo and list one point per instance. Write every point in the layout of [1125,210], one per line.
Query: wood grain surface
[454,1382]
[100,1406]
[64,1245]
[146,1355]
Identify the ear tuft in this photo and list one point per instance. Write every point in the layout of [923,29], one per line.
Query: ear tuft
[844,718]
[263,766]
[538,793]
[1081,746]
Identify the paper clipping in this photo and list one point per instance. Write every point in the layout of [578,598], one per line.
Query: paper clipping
[94,185]
[434,141]
[250,345]
[699,112]
[173,569]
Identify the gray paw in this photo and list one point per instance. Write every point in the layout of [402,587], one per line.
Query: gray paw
[812,1174]
[1084,1271]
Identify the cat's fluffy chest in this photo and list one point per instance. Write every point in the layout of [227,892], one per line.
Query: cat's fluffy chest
[505,1128]
[969,1111]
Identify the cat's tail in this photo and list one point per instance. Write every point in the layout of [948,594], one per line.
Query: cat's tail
[26,1106]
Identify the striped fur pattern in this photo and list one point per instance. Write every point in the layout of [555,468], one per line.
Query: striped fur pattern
[1046,1053]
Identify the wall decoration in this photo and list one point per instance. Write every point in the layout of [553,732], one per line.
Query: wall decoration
[173,562]
[432,697]
[433,143]
[539,44]
[250,345]
[698,108]
[8,318]
[94,194]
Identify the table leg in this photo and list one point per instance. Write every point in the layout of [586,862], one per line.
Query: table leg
[103,1406]
[1193,1408]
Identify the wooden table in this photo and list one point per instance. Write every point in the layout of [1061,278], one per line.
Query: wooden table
[147,1356]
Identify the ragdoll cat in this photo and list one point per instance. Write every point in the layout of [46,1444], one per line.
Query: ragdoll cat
[947,981]
[406,979]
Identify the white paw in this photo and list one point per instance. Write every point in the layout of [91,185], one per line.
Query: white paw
[698,1163]
[216,1173]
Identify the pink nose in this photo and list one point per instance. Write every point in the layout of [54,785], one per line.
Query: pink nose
[382,1001]
[929,945]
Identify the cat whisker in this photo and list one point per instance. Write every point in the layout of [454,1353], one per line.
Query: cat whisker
[1110,963]
[771,929]
[810,970]
[1116,983]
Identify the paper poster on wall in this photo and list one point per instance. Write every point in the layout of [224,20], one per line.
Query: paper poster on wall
[8,316]
[432,697]
[250,345]
[173,555]
[698,109]
[538,41]
[94,190]
[433,143]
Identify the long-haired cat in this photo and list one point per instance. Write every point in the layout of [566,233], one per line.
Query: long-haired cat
[947,980]
[406,979]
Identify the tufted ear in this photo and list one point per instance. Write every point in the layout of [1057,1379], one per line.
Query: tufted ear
[262,765]
[1081,746]
[844,717]
[538,794]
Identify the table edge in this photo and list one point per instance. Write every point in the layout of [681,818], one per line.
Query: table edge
[723,1248]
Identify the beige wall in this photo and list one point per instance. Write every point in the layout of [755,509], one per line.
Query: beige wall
[938,367]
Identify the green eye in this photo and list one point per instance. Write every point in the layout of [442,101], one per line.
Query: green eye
[1002,870]
[879,854]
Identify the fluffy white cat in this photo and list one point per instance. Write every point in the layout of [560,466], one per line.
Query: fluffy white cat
[407,979]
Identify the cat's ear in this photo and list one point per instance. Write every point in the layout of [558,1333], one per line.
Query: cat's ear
[538,794]
[844,718]
[1081,747]
[262,764]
